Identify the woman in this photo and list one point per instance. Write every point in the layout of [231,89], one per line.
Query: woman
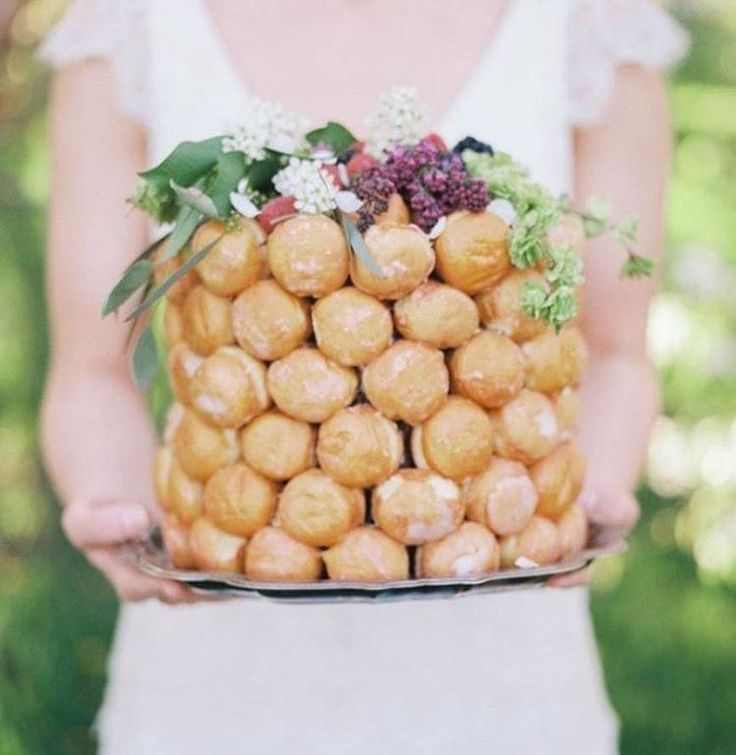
[539,78]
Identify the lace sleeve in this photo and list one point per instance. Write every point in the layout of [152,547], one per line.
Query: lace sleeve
[113,29]
[607,33]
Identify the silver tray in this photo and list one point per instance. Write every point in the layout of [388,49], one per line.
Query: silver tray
[150,557]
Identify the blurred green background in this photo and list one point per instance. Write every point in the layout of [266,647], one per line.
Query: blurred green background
[665,612]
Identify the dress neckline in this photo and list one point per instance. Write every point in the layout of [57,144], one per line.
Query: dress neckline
[508,19]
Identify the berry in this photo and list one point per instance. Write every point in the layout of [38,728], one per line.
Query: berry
[437,141]
[360,162]
[335,173]
[474,145]
[276,210]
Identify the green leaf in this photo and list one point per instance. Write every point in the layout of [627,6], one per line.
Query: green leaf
[625,232]
[229,172]
[189,162]
[358,245]
[145,359]
[334,135]
[186,224]
[261,173]
[135,276]
[637,266]
[599,208]
[196,199]
[177,275]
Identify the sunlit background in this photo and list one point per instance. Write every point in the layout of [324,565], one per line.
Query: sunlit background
[665,612]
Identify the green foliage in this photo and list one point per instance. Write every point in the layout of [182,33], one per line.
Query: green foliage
[187,164]
[145,359]
[334,135]
[133,279]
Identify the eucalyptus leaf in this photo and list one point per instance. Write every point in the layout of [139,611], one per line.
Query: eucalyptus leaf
[261,173]
[334,135]
[185,225]
[358,245]
[177,275]
[229,172]
[145,359]
[136,276]
[196,199]
[189,162]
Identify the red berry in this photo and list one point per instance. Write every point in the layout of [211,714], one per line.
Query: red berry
[335,173]
[360,162]
[437,141]
[276,210]
[358,146]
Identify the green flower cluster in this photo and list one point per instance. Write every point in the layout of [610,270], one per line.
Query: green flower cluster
[159,202]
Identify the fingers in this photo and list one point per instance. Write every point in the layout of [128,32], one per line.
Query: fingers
[570,580]
[93,524]
[619,510]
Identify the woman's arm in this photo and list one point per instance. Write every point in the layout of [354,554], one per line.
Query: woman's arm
[97,440]
[625,159]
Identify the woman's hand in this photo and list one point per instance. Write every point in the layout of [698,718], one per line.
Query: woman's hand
[617,512]
[99,528]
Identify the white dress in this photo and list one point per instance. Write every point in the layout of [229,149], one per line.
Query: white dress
[516,672]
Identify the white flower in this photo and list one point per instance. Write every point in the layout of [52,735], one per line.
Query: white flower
[268,126]
[311,186]
[398,120]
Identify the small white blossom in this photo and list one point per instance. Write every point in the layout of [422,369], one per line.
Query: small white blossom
[398,120]
[438,228]
[348,201]
[311,186]
[268,126]
[244,205]
[504,209]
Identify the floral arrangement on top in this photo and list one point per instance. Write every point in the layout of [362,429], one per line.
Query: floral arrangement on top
[270,169]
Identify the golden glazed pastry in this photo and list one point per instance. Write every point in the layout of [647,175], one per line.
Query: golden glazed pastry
[239,500]
[456,441]
[215,550]
[469,551]
[278,446]
[308,386]
[416,506]
[274,556]
[308,255]
[359,447]
[397,212]
[409,381]
[437,315]
[526,428]
[183,362]
[176,541]
[573,530]
[235,261]
[539,542]
[500,306]
[351,327]
[174,415]
[202,449]
[559,479]
[173,324]
[229,388]
[488,369]
[471,251]
[567,408]
[317,511]
[404,254]
[554,361]
[185,493]
[162,269]
[367,555]
[161,474]
[206,320]
[503,497]
[269,322]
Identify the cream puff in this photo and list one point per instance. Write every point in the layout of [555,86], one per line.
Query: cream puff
[471,251]
[573,529]
[308,255]
[310,387]
[456,441]
[318,511]
[526,429]
[235,261]
[470,551]
[351,327]
[396,213]
[500,306]
[367,555]
[182,363]
[489,369]
[568,408]
[559,479]
[554,361]
[229,388]
[176,542]
[173,324]
[404,255]
[174,415]
[278,446]
[161,474]
[409,381]
[274,556]
[185,493]
[539,542]
[269,322]
[503,497]
[202,449]
[437,315]
[215,550]
[162,269]
[239,500]
[206,320]
[359,447]
[416,506]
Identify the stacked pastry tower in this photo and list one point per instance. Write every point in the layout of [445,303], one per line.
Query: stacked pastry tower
[330,421]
